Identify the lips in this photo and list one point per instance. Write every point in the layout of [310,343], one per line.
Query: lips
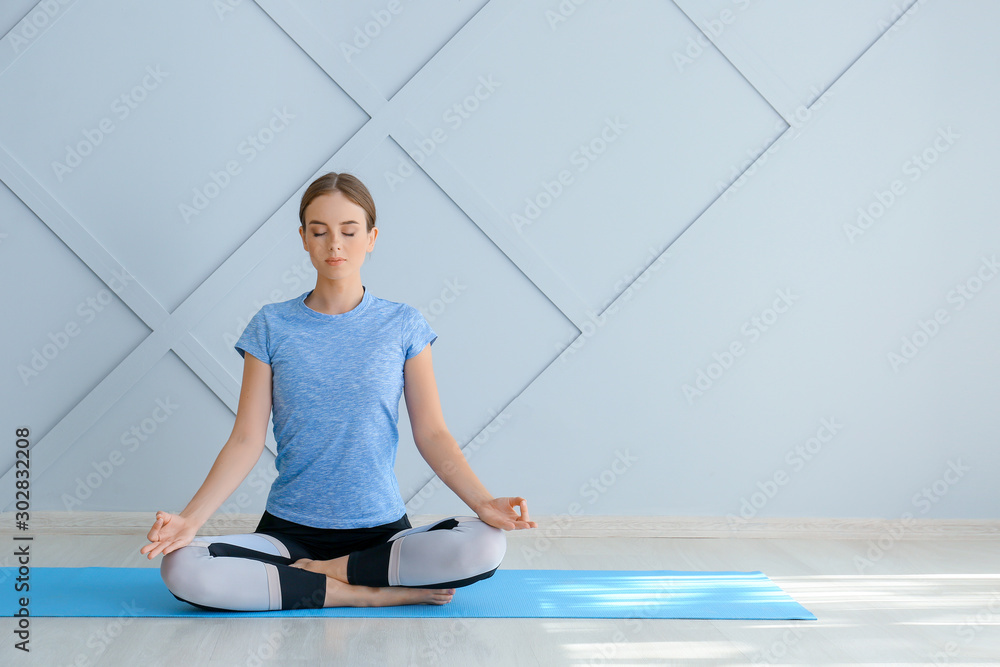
[336,260]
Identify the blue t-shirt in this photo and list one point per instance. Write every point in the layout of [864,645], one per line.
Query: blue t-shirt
[337,382]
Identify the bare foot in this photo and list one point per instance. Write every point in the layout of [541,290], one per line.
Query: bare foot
[339,594]
[335,568]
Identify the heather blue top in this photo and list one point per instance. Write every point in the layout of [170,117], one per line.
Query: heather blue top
[337,382]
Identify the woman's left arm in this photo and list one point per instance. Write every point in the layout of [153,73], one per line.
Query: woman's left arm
[439,448]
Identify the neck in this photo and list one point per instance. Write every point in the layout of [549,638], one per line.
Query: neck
[335,297]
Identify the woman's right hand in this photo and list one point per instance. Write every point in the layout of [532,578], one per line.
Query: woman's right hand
[169,533]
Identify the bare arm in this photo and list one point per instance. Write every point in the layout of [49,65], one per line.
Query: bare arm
[232,465]
[441,451]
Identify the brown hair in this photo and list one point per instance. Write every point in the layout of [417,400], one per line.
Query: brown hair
[352,188]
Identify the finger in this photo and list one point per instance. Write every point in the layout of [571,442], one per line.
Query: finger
[504,524]
[524,510]
[507,524]
[153,544]
[163,548]
[155,530]
[173,546]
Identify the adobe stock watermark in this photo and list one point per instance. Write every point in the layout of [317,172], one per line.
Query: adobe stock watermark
[796,457]
[969,630]
[899,16]
[295,276]
[435,484]
[10,567]
[581,158]
[364,35]
[269,644]
[87,311]
[439,645]
[778,649]
[592,490]
[913,168]
[696,45]
[923,501]
[249,148]
[799,118]
[137,435]
[752,329]
[35,23]
[122,108]
[98,642]
[454,117]
[607,652]
[259,481]
[224,8]
[563,10]
[928,329]
[631,283]
[449,294]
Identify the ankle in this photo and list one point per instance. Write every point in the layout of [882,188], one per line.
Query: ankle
[338,569]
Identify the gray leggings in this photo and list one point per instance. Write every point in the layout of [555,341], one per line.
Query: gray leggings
[252,571]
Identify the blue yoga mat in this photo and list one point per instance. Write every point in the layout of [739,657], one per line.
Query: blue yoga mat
[139,591]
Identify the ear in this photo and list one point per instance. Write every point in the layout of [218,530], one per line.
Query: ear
[372,235]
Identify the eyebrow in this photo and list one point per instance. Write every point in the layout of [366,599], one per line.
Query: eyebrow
[345,222]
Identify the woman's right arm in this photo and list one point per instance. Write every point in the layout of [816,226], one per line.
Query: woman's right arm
[237,458]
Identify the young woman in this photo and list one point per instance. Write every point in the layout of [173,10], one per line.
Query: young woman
[332,363]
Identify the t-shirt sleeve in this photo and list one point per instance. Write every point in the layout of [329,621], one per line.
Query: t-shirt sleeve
[417,333]
[255,338]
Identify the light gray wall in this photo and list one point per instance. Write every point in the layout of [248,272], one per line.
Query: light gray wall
[634,225]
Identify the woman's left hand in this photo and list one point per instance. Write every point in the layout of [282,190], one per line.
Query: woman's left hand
[500,513]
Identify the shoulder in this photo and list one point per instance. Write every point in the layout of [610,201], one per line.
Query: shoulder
[394,309]
[281,310]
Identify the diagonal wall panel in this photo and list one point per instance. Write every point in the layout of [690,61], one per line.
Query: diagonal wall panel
[66,331]
[788,365]
[171,135]
[790,51]
[613,121]
[387,43]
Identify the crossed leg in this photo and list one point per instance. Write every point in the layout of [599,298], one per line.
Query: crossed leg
[255,571]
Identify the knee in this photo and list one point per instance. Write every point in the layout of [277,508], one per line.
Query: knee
[485,547]
[184,575]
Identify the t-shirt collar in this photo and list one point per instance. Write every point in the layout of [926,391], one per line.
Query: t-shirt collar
[340,317]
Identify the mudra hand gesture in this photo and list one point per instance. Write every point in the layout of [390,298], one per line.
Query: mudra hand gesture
[169,533]
[500,513]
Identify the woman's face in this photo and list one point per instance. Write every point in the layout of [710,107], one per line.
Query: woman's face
[336,228]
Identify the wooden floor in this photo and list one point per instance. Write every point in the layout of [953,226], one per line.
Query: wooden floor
[920,602]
